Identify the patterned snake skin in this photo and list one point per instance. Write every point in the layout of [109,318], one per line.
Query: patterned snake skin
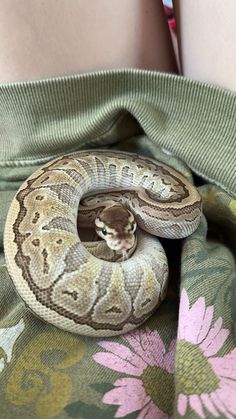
[57,275]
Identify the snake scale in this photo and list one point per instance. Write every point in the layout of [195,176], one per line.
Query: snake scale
[60,278]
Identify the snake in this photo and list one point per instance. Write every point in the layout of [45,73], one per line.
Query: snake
[114,283]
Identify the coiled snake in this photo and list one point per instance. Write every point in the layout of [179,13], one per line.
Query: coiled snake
[60,278]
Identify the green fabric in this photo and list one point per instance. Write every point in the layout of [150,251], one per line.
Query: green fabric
[151,372]
[42,119]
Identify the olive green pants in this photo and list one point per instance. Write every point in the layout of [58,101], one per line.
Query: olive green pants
[182,361]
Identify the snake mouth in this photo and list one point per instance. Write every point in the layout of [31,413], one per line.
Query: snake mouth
[121,245]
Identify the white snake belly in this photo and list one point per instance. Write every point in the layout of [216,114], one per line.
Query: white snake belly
[58,277]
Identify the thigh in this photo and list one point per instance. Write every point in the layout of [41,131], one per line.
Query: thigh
[206,32]
[57,37]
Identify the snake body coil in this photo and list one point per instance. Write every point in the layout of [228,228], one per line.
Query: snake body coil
[58,277]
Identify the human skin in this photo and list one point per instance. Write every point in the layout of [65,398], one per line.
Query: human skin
[47,38]
[207,35]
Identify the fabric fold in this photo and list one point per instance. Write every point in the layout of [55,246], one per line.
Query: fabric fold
[194,120]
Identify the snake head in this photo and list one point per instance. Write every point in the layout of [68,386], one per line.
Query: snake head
[117,225]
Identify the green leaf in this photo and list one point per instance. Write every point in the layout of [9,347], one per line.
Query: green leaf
[82,410]
[102,387]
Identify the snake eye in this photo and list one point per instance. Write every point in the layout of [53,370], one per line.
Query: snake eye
[104,232]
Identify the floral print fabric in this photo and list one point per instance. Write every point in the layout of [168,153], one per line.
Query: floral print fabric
[180,364]
[210,385]
[148,360]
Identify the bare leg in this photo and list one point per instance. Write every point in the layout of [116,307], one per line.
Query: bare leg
[48,38]
[206,32]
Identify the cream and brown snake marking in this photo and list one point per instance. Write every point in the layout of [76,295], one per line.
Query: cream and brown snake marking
[63,280]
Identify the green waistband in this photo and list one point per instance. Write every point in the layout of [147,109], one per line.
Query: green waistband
[46,118]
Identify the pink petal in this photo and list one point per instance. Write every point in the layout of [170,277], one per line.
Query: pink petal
[172,345]
[195,320]
[206,323]
[226,394]
[182,404]
[217,343]
[196,405]
[206,400]
[225,366]
[148,344]
[116,348]
[117,364]
[212,335]
[183,314]
[151,411]
[121,359]
[169,359]
[220,405]
[130,395]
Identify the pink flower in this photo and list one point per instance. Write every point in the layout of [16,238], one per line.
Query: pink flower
[148,354]
[207,383]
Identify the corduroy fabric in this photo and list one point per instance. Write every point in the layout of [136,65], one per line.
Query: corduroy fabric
[194,120]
